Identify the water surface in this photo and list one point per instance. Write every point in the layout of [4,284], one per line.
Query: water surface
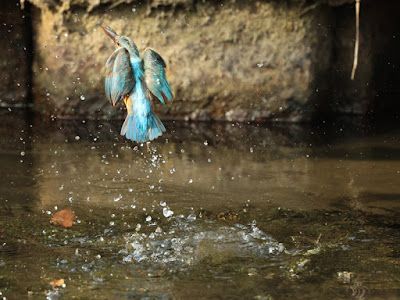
[207,211]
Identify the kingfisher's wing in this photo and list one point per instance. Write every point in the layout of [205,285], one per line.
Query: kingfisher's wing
[119,76]
[154,71]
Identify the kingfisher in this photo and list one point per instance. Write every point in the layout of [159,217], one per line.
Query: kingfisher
[137,81]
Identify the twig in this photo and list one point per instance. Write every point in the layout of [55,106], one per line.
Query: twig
[318,239]
[115,4]
[356,45]
[308,8]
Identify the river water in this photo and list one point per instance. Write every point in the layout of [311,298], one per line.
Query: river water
[207,211]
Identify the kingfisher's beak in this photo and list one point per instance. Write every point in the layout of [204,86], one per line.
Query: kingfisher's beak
[111,33]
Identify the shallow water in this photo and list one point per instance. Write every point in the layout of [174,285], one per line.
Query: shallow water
[208,211]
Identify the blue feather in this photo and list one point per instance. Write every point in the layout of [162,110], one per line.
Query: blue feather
[154,69]
[119,76]
[141,124]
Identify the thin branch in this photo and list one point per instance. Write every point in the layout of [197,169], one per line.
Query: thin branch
[355,61]
[308,8]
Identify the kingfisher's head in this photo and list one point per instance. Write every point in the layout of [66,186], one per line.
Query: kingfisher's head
[121,41]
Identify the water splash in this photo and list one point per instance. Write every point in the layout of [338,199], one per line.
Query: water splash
[188,242]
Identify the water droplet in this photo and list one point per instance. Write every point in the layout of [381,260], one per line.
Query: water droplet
[22,153]
[167,212]
[191,217]
[77,138]
[82,98]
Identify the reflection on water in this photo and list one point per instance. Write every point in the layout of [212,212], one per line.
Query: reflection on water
[206,211]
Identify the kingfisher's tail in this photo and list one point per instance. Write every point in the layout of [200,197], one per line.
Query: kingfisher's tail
[142,129]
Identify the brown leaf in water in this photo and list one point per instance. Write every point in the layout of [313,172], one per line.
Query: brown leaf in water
[58,282]
[65,218]
[228,216]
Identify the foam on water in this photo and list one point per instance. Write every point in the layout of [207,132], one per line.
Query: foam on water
[188,242]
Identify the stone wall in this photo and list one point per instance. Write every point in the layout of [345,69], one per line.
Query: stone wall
[236,60]
[231,60]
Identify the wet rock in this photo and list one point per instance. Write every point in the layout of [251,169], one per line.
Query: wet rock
[239,115]
[260,115]
[200,115]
